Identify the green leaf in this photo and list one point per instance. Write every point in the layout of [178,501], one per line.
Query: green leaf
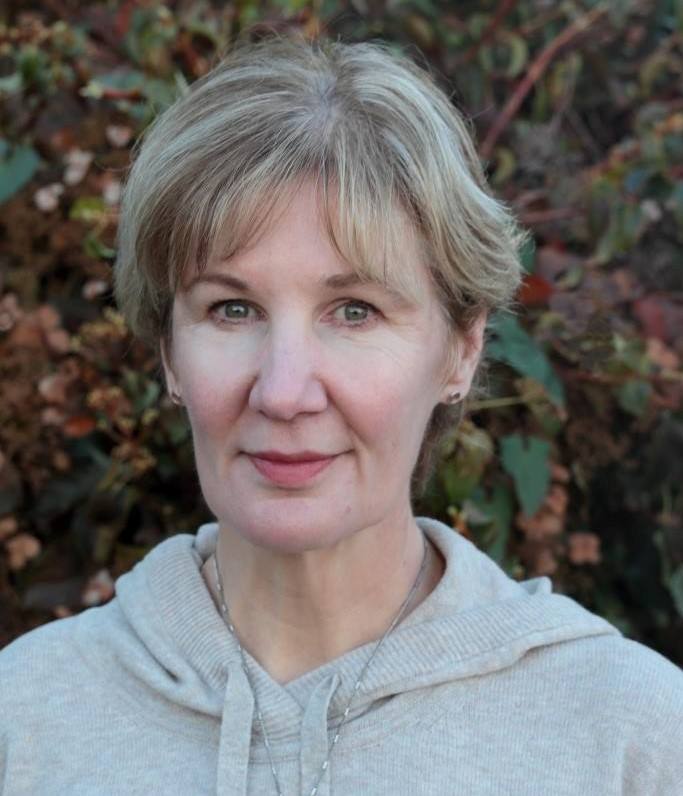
[519,350]
[65,492]
[11,490]
[506,164]
[94,248]
[161,93]
[527,254]
[526,460]
[496,510]
[456,485]
[142,390]
[632,353]
[179,431]
[636,179]
[472,449]
[609,243]
[124,79]
[17,167]
[634,396]
[675,586]
[34,66]
[89,209]
[506,55]
[10,84]
[675,202]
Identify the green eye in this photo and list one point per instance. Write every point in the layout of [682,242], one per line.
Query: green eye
[235,310]
[356,313]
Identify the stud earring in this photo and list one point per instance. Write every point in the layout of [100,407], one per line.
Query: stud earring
[175,397]
[454,397]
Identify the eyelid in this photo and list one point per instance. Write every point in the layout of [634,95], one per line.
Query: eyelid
[213,308]
[360,302]
[374,313]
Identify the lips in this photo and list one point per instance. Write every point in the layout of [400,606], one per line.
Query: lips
[290,469]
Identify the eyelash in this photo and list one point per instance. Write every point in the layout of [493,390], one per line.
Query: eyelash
[373,312]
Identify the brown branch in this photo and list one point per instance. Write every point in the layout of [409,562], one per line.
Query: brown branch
[667,376]
[534,73]
[534,217]
[111,93]
[501,12]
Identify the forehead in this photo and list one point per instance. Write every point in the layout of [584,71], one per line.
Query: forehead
[308,237]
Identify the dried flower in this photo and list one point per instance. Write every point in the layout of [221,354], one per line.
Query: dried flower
[21,549]
[46,198]
[53,388]
[8,526]
[77,164]
[545,562]
[99,589]
[118,135]
[111,192]
[584,548]
[94,288]
[9,312]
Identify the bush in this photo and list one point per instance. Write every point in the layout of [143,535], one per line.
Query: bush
[572,468]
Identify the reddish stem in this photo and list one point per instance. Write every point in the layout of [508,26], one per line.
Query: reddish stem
[534,73]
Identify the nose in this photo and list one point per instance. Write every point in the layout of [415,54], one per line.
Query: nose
[287,382]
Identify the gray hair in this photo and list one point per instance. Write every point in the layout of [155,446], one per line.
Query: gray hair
[385,146]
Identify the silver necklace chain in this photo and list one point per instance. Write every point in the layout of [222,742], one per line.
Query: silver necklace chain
[356,687]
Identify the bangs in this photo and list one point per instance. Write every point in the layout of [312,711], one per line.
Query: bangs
[368,225]
[398,179]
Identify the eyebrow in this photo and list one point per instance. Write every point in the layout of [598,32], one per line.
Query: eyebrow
[219,279]
[336,282]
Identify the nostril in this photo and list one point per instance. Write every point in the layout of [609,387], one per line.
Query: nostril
[285,398]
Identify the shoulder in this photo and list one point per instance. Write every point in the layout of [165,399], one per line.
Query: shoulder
[614,672]
[50,661]
[635,660]
[628,666]
[622,691]
[38,674]
[30,652]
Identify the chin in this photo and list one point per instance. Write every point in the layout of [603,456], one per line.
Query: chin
[288,529]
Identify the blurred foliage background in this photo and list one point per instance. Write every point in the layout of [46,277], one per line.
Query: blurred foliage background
[572,467]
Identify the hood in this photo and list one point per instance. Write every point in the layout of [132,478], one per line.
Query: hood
[171,641]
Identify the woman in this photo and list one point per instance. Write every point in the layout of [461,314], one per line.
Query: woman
[307,238]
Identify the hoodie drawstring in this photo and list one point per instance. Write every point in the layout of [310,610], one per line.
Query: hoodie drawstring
[235,739]
[236,732]
[314,737]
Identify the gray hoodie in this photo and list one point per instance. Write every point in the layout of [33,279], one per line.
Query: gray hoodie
[489,687]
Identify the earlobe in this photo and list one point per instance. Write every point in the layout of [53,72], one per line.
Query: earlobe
[465,360]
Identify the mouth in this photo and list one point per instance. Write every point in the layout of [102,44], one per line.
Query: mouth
[290,469]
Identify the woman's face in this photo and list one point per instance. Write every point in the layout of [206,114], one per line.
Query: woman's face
[279,352]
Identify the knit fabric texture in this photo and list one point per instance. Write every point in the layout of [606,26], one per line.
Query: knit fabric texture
[489,687]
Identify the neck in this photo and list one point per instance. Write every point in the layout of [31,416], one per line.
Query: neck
[295,612]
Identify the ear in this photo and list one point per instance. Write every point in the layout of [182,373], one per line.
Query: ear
[172,385]
[465,359]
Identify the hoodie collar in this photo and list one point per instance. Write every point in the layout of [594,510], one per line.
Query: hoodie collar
[477,620]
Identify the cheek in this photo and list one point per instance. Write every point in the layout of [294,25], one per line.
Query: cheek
[390,405]
[210,388]
[210,406]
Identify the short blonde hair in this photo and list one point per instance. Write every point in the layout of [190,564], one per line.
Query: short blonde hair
[382,141]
